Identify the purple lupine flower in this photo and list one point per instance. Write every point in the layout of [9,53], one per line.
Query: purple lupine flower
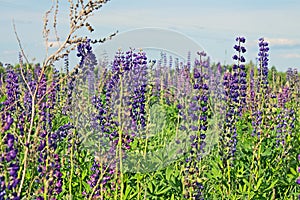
[252,95]
[261,94]
[54,90]
[12,163]
[197,116]
[8,121]
[42,88]
[131,69]
[94,178]
[228,136]
[69,90]
[216,86]
[57,175]
[293,81]
[239,74]
[66,63]
[87,62]
[263,66]
[298,179]
[171,81]
[55,185]
[12,90]
[27,97]
[285,118]
[184,86]
[139,88]
[188,61]
[84,51]
[12,100]
[10,156]
[46,134]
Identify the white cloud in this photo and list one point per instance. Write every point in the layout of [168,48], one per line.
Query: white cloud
[291,55]
[10,52]
[279,22]
[282,41]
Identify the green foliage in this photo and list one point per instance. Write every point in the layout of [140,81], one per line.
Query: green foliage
[260,170]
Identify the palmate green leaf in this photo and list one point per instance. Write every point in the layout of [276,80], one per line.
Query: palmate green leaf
[133,195]
[84,174]
[127,191]
[240,188]
[172,197]
[176,183]
[87,187]
[28,174]
[244,188]
[161,192]
[245,181]
[150,187]
[168,173]
[74,184]
[59,120]
[215,172]
[2,99]
[240,172]
[272,185]
[259,182]
[290,178]
[267,152]
[293,171]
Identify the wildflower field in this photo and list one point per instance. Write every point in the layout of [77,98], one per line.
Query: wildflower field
[135,128]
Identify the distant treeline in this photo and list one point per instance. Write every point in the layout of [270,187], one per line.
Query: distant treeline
[274,75]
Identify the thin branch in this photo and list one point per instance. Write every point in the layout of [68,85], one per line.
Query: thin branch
[45,30]
[78,20]
[19,41]
[55,21]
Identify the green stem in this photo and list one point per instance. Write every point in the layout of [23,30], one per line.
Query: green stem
[47,163]
[72,169]
[120,138]
[147,107]
[228,176]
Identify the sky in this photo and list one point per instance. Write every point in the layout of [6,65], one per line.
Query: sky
[213,25]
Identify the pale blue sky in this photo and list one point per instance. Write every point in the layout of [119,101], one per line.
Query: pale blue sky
[213,24]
